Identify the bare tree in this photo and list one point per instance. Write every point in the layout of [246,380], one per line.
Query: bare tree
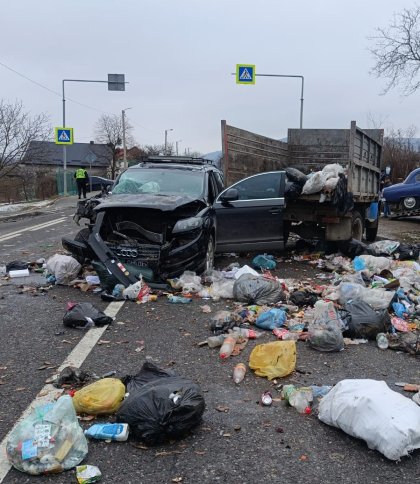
[400,152]
[17,130]
[109,131]
[397,51]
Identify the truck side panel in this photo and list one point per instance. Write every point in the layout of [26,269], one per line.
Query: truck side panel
[246,153]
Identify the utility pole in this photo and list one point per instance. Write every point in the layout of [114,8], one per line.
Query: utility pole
[176,143]
[125,163]
[166,140]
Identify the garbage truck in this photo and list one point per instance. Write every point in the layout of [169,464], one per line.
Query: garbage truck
[349,210]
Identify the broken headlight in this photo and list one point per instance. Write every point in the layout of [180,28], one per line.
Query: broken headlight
[187,225]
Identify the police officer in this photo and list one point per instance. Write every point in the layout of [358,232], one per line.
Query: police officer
[82,179]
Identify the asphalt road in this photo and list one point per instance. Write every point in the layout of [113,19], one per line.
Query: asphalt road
[246,443]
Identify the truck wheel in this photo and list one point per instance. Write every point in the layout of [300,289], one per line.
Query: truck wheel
[357,226]
[409,202]
[371,233]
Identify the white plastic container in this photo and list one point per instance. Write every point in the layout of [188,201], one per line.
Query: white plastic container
[115,431]
[19,273]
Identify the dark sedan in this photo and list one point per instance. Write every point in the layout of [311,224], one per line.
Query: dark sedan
[405,195]
[99,183]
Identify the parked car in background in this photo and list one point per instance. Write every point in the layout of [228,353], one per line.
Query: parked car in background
[99,183]
[404,198]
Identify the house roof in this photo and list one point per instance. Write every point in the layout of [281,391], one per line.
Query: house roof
[85,154]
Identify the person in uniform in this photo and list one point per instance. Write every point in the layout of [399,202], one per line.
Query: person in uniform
[82,178]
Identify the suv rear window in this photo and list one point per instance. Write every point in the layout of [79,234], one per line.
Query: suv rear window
[161,181]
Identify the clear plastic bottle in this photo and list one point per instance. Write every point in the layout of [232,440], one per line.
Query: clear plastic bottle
[239,373]
[227,346]
[299,398]
[215,341]
[247,333]
[179,299]
[382,341]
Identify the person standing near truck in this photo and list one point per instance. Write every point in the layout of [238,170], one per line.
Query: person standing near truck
[82,178]
[387,211]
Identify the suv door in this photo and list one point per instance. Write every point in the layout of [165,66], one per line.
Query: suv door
[253,218]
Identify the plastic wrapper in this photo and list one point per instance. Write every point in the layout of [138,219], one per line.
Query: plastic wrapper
[350,291]
[161,405]
[48,440]
[376,264]
[363,321]
[87,474]
[257,290]
[273,360]
[326,337]
[271,319]
[222,288]
[102,397]
[369,410]
[189,282]
[64,268]
[378,298]
[384,247]
[85,315]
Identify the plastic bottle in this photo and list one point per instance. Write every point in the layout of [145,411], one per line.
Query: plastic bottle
[227,346]
[239,373]
[178,299]
[215,341]
[382,341]
[116,431]
[247,333]
[299,398]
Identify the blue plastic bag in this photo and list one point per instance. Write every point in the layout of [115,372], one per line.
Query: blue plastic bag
[264,262]
[272,319]
[399,309]
[359,264]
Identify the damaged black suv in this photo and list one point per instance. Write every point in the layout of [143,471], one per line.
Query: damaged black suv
[159,216]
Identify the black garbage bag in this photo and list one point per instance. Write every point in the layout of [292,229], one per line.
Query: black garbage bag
[295,175]
[16,265]
[353,247]
[303,298]
[161,405]
[407,252]
[363,321]
[257,290]
[292,190]
[85,315]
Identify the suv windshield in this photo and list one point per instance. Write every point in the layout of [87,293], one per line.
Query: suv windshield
[161,181]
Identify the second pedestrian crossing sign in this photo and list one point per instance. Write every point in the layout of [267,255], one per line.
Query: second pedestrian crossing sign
[64,136]
[245,74]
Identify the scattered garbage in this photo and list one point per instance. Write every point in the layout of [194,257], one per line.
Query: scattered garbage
[19,273]
[382,341]
[63,267]
[49,440]
[102,397]
[87,474]
[161,405]
[370,410]
[85,315]
[266,399]
[71,376]
[114,431]
[264,261]
[228,346]
[273,360]
[362,321]
[178,299]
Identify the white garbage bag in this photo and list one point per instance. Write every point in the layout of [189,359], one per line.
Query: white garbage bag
[64,268]
[369,410]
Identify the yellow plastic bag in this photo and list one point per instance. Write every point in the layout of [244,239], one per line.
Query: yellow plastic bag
[100,398]
[274,360]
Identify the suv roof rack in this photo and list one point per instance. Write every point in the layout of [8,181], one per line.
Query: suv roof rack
[176,159]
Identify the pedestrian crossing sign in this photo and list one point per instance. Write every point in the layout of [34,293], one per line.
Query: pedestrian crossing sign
[64,136]
[245,74]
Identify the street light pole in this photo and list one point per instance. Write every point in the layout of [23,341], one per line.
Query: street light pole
[176,142]
[166,139]
[125,163]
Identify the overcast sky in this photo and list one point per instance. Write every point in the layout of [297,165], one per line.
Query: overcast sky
[178,56]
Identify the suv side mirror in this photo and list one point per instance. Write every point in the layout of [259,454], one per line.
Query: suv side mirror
[230,195]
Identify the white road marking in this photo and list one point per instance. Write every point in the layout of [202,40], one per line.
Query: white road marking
[49,393]
[33,228]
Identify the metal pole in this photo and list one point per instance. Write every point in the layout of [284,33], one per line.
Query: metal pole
[124,144]
[64,148]
[166,140]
